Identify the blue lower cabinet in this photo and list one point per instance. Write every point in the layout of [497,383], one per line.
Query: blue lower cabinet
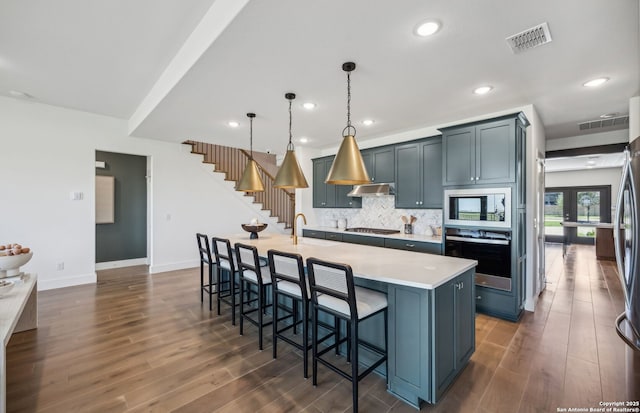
[333,236]
[310,233]
[363,240]
[497,303]
[431,338]
[410,245]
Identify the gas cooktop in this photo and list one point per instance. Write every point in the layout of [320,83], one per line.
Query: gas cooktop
[373,230]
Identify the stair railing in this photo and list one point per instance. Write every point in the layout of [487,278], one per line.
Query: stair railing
[232,161]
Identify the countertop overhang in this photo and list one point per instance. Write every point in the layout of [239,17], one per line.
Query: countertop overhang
[412,269]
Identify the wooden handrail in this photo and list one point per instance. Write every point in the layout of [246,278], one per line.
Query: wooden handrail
[232,161]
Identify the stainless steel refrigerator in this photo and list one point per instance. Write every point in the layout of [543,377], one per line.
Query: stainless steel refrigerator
[626,235]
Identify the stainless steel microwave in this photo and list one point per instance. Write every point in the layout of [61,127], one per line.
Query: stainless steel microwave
[482,207]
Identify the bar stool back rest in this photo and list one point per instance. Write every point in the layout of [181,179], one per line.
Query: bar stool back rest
[335,280]
[224,254]
[205,258]
[287,269]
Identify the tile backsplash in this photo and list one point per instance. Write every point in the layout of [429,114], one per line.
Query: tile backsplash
[380,212]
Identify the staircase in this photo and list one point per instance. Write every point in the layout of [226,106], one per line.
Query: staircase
[231,161]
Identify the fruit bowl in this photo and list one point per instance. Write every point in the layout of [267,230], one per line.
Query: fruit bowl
[253,229]
[10,264]
[5,287]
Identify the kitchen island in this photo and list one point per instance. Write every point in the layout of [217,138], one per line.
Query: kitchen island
[431,309]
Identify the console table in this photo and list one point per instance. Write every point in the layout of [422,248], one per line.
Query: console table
[18,312]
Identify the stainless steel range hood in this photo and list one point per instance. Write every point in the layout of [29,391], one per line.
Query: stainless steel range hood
[372,190]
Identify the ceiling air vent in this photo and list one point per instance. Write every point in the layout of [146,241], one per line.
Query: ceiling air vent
[620,121]
[530,38]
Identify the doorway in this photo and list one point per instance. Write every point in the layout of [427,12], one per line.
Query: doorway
[121,241]
[572,213]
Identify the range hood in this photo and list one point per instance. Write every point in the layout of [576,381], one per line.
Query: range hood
[372,190]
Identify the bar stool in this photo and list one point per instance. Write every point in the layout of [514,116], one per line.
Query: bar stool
[333,291]
[289,280]
[251,276]
[226,272]
[205,258]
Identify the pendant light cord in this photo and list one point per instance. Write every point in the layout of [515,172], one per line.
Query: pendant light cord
[251,138]
[349,125]
[348,99]
[290,145]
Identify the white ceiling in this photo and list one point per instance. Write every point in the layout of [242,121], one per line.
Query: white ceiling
[148,61]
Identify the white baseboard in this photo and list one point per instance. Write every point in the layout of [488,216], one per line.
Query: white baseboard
[121,264]
[174,266]
[50,284]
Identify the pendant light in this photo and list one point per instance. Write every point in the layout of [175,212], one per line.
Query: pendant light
[290,174]
[250,181]
[348,167]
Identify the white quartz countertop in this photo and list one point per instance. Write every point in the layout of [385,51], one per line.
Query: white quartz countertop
[400,235]
[13,302]
[399,267]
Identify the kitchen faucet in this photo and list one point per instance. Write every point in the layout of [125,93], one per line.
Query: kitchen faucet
[295,232]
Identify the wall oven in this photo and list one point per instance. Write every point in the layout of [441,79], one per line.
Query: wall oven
[478,207]
[492,250]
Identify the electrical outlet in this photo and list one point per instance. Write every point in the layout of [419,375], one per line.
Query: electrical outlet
[60,266]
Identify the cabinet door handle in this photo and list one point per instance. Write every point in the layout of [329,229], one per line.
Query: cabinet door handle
[477,178]
[417,203]
[479,297]
[472,178]
[410,245]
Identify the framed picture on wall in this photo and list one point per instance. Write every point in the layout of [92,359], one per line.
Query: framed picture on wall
[105,200]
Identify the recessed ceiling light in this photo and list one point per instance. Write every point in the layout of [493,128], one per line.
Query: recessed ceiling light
[482,90]
[233,124]
[609,115]
[368,122]
[309,105]
[19,94]
[427,28]
[596,82]
[303,140]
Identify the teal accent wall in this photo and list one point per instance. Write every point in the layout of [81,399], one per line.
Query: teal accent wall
[126,238]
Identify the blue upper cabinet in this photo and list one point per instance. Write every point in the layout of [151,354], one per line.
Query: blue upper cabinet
[330,196]
[419,174]
[481,153]
[380,163]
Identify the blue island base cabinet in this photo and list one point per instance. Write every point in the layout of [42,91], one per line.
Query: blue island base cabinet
[431,338]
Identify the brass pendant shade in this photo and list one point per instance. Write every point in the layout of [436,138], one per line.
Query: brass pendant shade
[348,167]
[290,174]
[250,180]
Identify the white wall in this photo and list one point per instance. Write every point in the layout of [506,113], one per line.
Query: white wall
[46,152]
[536,141]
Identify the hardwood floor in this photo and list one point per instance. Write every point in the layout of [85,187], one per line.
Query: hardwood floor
[138,343]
